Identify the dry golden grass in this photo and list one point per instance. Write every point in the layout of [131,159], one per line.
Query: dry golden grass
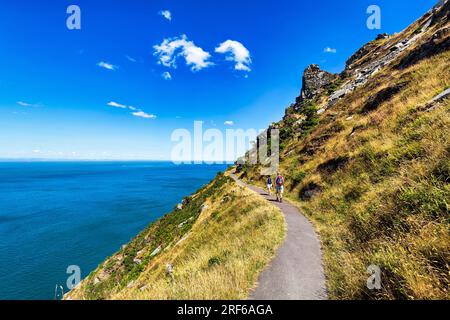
[231,241]
[388,205]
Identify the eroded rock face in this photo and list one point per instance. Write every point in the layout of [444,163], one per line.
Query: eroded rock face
[439,42]
[314,79]
[401,50]
[358,55]
[371,58]
[441,12]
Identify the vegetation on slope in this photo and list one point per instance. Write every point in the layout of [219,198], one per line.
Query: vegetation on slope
[212,248]
[373,175]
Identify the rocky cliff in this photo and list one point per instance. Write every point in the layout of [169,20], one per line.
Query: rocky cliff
[425,38]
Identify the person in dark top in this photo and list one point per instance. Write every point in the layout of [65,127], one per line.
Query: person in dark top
[269,185]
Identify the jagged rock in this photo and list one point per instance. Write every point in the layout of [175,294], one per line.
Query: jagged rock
[439,42]
[441,96]
[103,275]
[365,62]
[140,252]
[356,56]
[96,281]
[426,25]
[369,68]
[137,261]
[143,287]
[130,284]
[156,251]
[314,79]
[382,36]
[169,269]
[179,206]
[204,207]
[434,103]
[338,94]
[440,12]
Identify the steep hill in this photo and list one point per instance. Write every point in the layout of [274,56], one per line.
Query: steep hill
[212,246]
[366,156]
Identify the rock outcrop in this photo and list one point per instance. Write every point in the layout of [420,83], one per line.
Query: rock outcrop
[439,42]
[314,79]
[428,36]
[375,55]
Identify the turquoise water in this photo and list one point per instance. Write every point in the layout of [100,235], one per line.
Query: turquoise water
[56,214]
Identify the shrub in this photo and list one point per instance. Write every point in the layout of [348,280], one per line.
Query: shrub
[312,118]
[297,178]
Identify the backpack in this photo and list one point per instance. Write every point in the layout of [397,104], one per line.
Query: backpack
[280,181]
[269,180]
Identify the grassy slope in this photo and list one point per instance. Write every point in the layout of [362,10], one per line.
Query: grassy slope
[228,234]
[380,183]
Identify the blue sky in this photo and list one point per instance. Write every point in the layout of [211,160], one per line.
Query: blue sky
[56,83]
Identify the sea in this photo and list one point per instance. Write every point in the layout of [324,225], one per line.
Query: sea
[57,216]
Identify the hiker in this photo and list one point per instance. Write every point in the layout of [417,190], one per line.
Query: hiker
[269,185]
[279,184]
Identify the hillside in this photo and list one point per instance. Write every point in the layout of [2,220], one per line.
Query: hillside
[212,246]
[366,156]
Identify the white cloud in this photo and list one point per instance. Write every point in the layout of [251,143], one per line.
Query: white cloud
[142,114]
[237,53]
[137,112]
[166,14]
[166,76]
[329,50]
[106,65]
[117,105]
[228,123]
[131,59]
[170,49]
[24,104]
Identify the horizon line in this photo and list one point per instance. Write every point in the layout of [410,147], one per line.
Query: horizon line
[106,160]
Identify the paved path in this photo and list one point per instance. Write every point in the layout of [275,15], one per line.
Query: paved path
[296,272]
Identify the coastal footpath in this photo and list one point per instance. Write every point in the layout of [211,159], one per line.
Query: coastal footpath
[211,246]
[366,157]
